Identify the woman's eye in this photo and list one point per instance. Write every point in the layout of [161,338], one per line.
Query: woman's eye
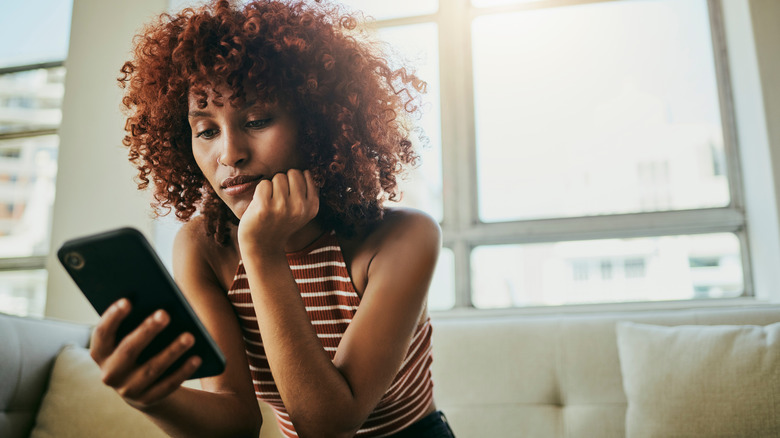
[261,123]
[207,134]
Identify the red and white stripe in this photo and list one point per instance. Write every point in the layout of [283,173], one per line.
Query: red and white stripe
[331,302]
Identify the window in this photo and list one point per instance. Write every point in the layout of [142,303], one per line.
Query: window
[32,78]
[635,268]
[580,151]
[606,269]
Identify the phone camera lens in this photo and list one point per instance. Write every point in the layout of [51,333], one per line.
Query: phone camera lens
[74,260]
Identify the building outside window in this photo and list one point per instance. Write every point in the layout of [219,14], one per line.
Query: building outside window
[32,76]
[579,151]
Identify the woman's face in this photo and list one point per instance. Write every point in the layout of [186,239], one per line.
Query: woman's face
[236,148]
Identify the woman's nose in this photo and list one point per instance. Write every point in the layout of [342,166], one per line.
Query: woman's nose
[235,149]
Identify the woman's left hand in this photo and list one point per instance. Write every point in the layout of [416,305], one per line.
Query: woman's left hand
[280,207]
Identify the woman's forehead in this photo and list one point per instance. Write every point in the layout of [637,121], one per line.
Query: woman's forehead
[220,94]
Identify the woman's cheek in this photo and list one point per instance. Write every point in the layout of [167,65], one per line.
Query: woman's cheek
[203,164]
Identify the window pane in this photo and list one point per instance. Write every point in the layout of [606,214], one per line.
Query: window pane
[441,295]
[34,31]
[31,100]
[23,293]
[603,271]
[28,167]
[597,109]
[418,46]
[383,9]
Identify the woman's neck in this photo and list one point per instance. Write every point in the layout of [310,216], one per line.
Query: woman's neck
[304,237]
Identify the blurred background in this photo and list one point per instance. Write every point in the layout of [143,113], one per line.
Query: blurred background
[577,153]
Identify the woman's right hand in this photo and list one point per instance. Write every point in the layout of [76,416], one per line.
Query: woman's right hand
[280,207]
[139,384]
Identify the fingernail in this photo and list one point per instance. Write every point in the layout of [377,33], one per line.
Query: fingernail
[159,316]
[122,304]
[187,339]
[195,361]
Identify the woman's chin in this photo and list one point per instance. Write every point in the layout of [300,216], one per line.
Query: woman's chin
[238,209]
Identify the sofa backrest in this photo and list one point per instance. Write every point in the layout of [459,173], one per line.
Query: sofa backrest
[547,376]
[28,348]
[533,376]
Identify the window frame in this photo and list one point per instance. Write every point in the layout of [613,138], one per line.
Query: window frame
[34,262]
[462,229]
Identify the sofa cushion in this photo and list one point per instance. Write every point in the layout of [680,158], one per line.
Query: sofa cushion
[76,397]
[496,377]
[700,381]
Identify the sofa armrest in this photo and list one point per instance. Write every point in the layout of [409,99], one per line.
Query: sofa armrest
[28,348]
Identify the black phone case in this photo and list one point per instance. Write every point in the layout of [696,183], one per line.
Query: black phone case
[121,263]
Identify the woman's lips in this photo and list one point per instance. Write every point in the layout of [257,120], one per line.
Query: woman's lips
[238,185]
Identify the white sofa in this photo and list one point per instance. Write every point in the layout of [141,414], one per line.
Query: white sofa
[555,375]
[560,375]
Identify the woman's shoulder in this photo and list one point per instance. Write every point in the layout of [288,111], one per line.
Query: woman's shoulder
[396,223]
[196,247]
[405,222]
[404,214]
[193,236]
[403,237]
[400,231]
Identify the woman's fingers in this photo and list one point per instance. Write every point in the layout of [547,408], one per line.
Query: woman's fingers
[304,195]
[280,206]
[294,192]
[170,383]
[297,184]
[281,187]
[139,383]
[103,339]
[143,380]
[123,360]
[312,191]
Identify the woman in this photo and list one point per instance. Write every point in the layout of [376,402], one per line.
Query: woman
[276,134]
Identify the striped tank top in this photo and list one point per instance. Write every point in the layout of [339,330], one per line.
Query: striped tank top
[331,302]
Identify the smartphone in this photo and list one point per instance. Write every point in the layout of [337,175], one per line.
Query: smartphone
[122,264]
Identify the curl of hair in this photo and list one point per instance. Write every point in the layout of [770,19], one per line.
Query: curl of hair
[353,107]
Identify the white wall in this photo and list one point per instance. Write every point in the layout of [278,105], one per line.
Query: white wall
[95,188]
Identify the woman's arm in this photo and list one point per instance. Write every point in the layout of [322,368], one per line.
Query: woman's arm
[324,397]
[227,405]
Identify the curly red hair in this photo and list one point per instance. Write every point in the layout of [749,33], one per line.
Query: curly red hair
[352,105]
